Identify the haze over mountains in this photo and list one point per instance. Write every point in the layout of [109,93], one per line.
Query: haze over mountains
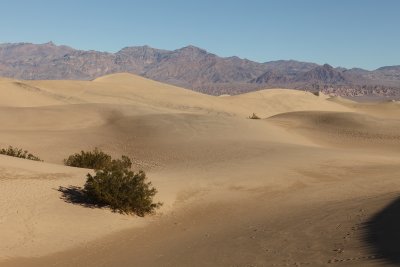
[193,68]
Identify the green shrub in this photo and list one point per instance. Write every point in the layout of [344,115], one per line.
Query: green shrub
[18,153]
[95,159]
[254,117]
[116,186]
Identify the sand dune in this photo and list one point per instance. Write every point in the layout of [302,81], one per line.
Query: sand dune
[344,129]
[291,188]
[20,94]
[129,89]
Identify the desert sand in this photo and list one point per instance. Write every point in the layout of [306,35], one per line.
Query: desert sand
[314,182]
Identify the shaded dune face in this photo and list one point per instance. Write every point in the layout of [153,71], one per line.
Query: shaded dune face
[381,233]
[338,128]
[293,187]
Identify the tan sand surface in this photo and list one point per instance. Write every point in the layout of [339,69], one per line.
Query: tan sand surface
[298,187]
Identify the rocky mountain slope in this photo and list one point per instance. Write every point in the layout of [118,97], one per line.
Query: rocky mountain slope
[193,68]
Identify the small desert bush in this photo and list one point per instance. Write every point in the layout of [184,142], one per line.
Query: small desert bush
[316,93]
[123,190]
[254,117]
[18,153]
[95,159]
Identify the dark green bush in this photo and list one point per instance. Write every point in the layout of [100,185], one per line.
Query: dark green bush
[254,117]
[18,153]
[116,186]
[95,159]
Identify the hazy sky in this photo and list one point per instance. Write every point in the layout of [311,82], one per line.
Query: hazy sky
[349,33]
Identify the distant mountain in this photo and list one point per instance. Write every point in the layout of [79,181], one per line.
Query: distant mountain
[193,68]
[325,74]
[272,77]
[389,69]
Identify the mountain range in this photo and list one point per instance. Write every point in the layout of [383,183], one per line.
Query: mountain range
[193,68]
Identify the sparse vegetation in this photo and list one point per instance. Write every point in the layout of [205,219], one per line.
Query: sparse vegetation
[114,184]
[254,117]
[123,190]
[18,153]
[95,159]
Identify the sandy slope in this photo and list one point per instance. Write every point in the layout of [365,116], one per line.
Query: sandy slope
[34,221]
[343,129]
[291,188]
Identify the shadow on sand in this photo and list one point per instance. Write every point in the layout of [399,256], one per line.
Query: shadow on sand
[76,195]
[382,233]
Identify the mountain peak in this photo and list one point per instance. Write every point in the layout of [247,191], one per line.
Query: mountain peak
[138,48]
[192,49]
[327,66]
[323,74]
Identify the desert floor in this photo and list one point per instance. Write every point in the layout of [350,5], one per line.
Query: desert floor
[315,182]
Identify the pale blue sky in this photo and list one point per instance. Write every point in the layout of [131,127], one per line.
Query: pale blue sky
[349,33]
